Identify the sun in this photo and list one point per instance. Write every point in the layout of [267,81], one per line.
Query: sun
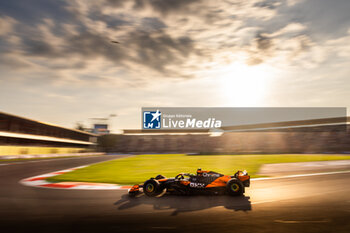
[245,86]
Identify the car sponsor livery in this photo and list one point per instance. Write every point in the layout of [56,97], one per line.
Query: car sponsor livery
[197,185]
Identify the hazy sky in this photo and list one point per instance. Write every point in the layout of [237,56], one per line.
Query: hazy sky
[57,63]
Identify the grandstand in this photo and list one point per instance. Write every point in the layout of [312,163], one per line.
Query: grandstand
[19,135]
[329,135]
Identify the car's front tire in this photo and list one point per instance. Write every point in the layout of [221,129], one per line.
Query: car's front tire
[235,187]
[152,188]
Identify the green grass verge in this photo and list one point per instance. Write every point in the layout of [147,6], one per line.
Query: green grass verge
[139,168]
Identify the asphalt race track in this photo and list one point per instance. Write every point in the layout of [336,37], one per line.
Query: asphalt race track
[303,204]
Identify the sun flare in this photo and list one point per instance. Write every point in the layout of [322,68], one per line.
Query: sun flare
[244,85]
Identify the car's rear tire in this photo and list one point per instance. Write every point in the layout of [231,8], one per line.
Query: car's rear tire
[152,188]
[235,187]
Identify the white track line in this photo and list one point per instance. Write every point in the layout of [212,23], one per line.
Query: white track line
[40,181]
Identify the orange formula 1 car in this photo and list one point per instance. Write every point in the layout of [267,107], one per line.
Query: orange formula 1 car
[205,182]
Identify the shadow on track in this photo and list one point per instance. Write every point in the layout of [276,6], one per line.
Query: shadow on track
[186,203]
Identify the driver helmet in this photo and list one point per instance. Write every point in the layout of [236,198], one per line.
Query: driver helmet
[199,170]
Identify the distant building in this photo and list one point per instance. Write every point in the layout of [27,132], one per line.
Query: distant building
[19,135]
[100,129]
[100,125]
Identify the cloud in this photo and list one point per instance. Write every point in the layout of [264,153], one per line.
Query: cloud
[6,25]
[286,44]
[263,42]
[285,50]
[152,24]
[293,2]
[166,6]
[155,51]
[160,38]
[14,62]
[145,43]
[158,50]
[37,47]
[289,29]
[115,3]
[268,4]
